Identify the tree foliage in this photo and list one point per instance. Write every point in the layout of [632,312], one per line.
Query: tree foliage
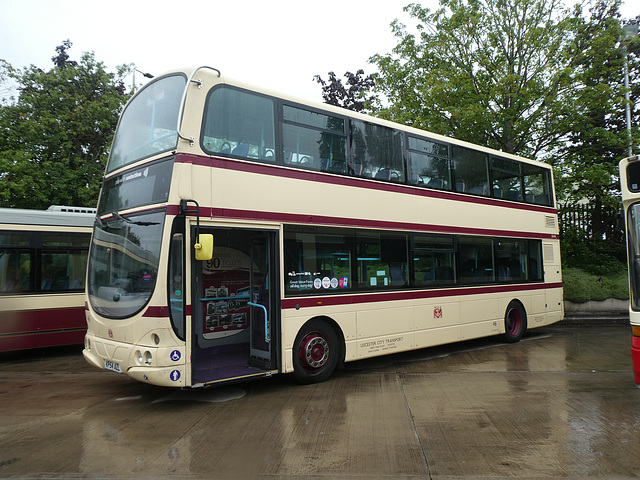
[7,86]
[56,134]
[492,72]
[355,95]
[527,77]
[597,137]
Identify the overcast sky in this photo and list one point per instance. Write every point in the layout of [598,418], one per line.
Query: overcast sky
[278,44]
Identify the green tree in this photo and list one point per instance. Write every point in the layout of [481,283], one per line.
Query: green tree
[526,77]
[597,138]
[6,84]
[492,72]
[55,136]
[355,95]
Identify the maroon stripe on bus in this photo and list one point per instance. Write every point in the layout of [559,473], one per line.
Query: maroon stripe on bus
[23,329]
[256,215]
[27,321]
[321,177]
[161,311]
[350,299]
[42,339]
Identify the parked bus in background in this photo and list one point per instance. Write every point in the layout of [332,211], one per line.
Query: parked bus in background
[338,236]
[43,263]
[630,188]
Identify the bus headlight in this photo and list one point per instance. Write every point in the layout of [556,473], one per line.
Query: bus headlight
[139,357]
[148,358]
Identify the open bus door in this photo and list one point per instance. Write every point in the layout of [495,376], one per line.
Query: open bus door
[234,307]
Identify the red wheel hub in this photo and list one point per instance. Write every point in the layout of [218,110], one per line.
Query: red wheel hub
[314,351]
[514,322]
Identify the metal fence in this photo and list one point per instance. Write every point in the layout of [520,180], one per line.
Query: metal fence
[605,223]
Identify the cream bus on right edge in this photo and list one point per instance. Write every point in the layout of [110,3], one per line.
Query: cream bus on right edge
[630,188]
[242,233]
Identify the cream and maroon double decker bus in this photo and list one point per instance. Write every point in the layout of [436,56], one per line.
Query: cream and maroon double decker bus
[241,233]
[43,265]
[630,188]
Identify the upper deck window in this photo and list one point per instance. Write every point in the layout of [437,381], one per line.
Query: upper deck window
[633,176]
[471,171]
[507,178]
[376,151]
[314,140]
[537,184]
[248,125]
[240,124]
[429,164]
[149,122]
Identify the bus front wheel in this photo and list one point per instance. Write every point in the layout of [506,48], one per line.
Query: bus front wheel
[515,323]
[315,352]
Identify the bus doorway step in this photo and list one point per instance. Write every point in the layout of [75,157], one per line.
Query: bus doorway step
[259,362]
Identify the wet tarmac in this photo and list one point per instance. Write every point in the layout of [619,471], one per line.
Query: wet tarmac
[562,403]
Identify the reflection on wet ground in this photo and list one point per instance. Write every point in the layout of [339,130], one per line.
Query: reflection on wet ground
[561,403]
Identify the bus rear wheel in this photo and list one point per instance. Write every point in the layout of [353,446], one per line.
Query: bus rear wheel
[515,323]
[315,352]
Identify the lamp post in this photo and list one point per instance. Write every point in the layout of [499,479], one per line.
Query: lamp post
[630,28]
[145,75]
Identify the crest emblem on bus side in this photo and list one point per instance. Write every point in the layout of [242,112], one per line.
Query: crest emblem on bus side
[437,312]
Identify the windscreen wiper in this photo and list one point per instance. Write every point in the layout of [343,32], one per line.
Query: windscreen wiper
[127,220]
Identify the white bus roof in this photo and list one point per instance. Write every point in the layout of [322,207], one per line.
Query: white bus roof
[56,215]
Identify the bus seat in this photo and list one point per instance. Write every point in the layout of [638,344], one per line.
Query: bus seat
[512,195]
[515,269]
[436,183]
[541,200]
[503,273]
[460,186]
[478,190]
[397,276]
[241,150]
[533,269]
[338,167]
[383,174]
[444,274]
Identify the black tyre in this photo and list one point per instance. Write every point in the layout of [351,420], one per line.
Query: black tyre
[515,323]
[315,353]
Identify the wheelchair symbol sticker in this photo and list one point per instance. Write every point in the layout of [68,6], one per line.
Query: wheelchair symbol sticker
[175,355]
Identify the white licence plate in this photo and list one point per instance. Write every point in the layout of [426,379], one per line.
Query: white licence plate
[113,366]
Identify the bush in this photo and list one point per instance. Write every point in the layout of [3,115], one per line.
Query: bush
[581,286]
[597,257]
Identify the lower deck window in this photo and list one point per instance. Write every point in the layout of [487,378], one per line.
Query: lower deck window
[317,260]
[321,260]
[382,260]
[43,262]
